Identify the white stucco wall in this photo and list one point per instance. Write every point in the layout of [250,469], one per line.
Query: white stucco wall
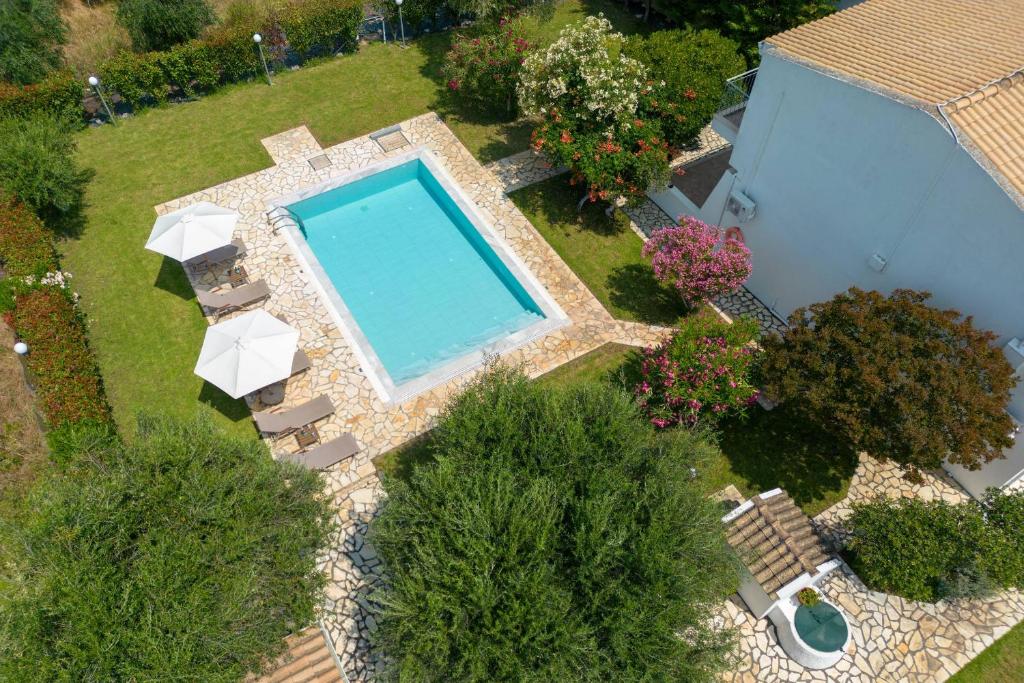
[840,173]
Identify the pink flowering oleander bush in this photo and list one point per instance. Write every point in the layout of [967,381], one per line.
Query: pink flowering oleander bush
[693,258]
[701,372]
[484,70]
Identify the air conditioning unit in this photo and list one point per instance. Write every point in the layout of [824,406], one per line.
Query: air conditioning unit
[741,206]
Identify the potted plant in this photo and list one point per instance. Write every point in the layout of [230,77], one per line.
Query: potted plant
[808,597]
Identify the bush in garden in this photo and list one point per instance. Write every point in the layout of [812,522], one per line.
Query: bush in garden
[193,549]
[691,68]
[67,380]
[416,13]
[232,49]
[188,66]
[701,373]
[31,35]
[484,70]
[584,77]
[26,245]
[38,166]
[694,259]
[59,95]
[326,24]
[161,24]
[136,77]
[895,377]
[930,550]
[490,9]
[557,534]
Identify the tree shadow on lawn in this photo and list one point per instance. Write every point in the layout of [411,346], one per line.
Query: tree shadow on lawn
[777,448]
[171,278]
[634,288]
[233,409]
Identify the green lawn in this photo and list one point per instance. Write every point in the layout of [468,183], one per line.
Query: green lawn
[145,325]
[999,663]
[603,251]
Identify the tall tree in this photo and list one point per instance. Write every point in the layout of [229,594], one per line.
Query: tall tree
[557,538]
[895,377]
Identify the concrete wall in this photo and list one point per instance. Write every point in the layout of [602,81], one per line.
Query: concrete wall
[840,173]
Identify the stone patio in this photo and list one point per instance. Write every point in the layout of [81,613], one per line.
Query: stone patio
[378,427]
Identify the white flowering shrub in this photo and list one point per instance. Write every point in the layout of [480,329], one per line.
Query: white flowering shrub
[583,76]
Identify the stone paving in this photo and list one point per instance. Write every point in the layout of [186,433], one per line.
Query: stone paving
[893,639]
[335,371]
[525,168]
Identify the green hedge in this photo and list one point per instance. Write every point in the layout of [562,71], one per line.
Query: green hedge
[26,246]
[228,53]
[59,95]
[68,383]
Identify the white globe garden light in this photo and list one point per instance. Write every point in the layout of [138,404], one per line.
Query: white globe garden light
[401,24]
[21,348]
[94,81]
[258,39]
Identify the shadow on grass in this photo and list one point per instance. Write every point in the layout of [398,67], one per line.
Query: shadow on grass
[770,449]
[634,288]
[172,279]
[233,409]
[401,462]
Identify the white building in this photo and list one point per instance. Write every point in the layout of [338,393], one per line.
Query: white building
[882,147]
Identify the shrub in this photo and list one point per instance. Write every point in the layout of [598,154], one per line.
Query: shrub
[894,377]
[67,380]
[26,245]
[31,35]
[190,67]
[161,24]
[696,261]
[232,49]
[693,67]
[416,13]
[929,550]
[326,24]
[701,372]
[38,166]
[59,95]
[1004,560]
[75,440]
[136,77]
[558,535]
[808,597]
[192,549]
[484,70]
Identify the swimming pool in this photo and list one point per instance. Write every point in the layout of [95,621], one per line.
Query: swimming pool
[421,285]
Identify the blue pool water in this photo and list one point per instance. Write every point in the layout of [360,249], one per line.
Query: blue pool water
[421,282]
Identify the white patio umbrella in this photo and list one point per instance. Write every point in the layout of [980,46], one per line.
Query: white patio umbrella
[192,231]
[247,353]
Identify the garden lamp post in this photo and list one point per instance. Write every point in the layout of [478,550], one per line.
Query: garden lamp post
[95,83]
[401,24]
[21,348]
[258,39]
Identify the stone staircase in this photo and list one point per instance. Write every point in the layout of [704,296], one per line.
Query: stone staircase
[307,660]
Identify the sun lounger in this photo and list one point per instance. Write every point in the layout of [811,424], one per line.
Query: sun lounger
[300,362]
[325,455]
[226,253]
[222,303]
[287,421]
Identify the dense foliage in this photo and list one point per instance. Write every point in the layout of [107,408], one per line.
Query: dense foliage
[930,550]
[31,35]
[162,24]
[484,69]
[748,22]
[58,95]
[895,377]
[38,165]
[558,537]
[321,24]
[694,258]
[693,67]
[591,100]
[701,372]
[184,552]
[68,384]
[26,245]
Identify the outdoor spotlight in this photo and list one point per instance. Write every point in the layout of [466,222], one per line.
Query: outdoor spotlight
[257,38]
[21,348]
